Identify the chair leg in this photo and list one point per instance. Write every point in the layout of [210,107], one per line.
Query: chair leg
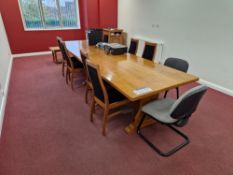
[91,93]
[165,95]
[63,68]
[92,109]
[105,121]
[177,92]
[170,152]
[67,75]
[86,94]
[72,80]
[53,56]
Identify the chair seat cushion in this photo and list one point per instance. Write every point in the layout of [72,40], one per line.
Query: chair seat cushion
[160,110]
[76,63]
[113,94]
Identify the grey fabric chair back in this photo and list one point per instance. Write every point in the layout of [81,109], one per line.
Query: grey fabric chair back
[177,63]
[187,103]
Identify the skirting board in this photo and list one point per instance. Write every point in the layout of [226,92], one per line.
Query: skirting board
[217,87]
[4,100]
[31,54]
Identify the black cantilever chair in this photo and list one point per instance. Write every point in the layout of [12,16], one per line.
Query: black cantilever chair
[178,64]
[133,46]
[169,112]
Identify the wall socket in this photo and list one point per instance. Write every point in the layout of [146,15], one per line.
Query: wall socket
[155,25]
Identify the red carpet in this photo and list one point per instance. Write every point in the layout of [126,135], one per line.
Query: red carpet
[47,132]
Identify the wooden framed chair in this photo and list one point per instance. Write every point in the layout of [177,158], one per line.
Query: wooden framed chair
[73,66]
[89,87]
[170,112]
[64,58]
[133,48]
[177,64]
[149,51]
[107,98]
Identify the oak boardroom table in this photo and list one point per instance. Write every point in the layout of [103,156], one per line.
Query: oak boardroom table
[128,73]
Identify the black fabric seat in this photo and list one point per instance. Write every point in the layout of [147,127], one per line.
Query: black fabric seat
[113,94]
[76,63]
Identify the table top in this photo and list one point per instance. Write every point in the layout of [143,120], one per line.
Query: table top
[128,72]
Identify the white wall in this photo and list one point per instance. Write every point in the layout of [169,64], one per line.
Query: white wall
[200,31]
[5,69]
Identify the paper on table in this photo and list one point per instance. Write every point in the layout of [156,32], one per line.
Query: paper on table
[142,90]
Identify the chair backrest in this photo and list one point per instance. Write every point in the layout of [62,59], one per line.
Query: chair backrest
[64,52]
[133,46]
[177,63]
[84,58]
[149,51]
[97,82]
[59,41]
[187,104]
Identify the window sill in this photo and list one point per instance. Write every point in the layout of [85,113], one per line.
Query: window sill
[51,29]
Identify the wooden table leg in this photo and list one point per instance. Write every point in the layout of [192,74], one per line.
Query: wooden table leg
[132,127]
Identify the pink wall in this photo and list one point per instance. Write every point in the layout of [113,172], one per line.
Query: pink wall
[93,14]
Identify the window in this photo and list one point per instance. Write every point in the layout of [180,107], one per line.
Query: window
[50,14]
